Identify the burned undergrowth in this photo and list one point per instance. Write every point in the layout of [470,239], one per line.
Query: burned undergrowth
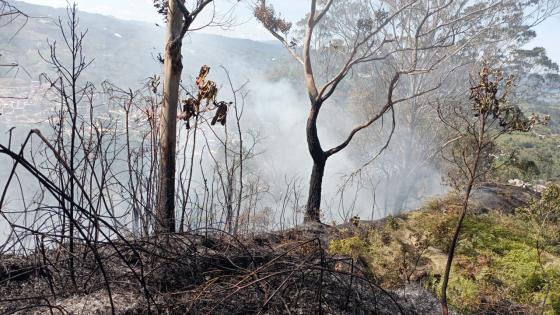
[203,272]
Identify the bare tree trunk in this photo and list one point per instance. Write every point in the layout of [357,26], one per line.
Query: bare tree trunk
[451,254]
[473,174]
[240,192]
[168,124]
[313,213]
[313,209]
[189,182]
[406,172]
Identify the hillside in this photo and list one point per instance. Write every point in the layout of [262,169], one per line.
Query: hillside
[130,48]
[390,159]
[207,273]
[498,268]
[388,266]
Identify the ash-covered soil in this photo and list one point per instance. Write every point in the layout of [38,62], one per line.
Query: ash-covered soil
[204,272]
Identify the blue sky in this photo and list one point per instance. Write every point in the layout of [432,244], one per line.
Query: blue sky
[548,37]
[246,27]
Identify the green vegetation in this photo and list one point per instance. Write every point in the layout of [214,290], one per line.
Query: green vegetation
[505,262]
[529,156]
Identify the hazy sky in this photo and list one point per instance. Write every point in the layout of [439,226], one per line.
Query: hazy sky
[143,10]
[246,27]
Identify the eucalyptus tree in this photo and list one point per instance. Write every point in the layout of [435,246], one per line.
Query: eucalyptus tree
[412,159]
[179,18]
[402,39]
[421,134]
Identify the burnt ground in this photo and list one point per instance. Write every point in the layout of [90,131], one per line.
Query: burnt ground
[496,197]
[208,272]
[212,272]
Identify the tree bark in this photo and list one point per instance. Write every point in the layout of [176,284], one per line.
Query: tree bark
[313,208]
[173,67]
[313,212]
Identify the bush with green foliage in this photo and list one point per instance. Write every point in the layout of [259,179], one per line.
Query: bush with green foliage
[527,156]
[497,266]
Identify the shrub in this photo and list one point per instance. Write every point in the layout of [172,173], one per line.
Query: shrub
[352,246]
[555,303]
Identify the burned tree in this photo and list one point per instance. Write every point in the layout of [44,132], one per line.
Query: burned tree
[179,21]
[342,36]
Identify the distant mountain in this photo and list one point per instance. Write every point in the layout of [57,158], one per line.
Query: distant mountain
[124,52]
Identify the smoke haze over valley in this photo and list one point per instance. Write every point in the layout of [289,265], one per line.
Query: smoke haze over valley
[275,107]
